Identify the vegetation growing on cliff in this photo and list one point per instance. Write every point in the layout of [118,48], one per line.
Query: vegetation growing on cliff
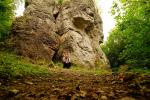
[60,1]
[6,16]
[128,43]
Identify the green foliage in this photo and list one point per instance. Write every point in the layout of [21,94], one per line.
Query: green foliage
[60,1]
[139,70]
[129,41]
[58,64]
[6,16]
[84,70]
[14,66]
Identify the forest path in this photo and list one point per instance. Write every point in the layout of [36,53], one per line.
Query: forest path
[65,84]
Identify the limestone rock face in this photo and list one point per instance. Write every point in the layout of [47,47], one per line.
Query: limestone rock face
[34,34]
[50,28]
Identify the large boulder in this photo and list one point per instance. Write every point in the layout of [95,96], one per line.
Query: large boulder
[34,34]
[50,27]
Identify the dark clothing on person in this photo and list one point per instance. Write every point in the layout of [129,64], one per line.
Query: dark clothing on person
[66,65]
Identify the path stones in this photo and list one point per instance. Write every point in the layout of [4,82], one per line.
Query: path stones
[29,83]
[103,97]
[127,98]
[13,92]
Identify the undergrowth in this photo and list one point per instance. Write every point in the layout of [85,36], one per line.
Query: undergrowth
[126,69]
[139,70]
[12,66]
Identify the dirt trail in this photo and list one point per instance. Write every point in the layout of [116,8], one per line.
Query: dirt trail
[70,85]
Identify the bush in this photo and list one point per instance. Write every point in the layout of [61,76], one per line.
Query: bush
[6,17]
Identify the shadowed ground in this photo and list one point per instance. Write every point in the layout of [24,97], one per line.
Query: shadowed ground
[67,84]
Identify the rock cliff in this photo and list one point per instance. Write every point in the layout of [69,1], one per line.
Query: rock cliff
[50,28]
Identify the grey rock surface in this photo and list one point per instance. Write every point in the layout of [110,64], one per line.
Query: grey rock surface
[50,28]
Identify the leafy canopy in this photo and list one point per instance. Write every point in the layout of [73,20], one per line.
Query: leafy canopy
[129,41]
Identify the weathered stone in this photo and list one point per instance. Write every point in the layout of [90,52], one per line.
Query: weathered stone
[34,34]
[48,29]
[29,83]
[103,97]
[80,27]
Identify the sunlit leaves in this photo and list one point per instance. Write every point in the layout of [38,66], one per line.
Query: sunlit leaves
[129,42]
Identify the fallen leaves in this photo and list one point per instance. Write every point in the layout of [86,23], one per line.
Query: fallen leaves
[72,86]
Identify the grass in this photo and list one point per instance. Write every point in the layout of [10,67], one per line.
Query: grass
[12,66]
[90,70]
[80,69]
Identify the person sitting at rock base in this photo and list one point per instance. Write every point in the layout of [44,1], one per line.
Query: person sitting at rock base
[66,61]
